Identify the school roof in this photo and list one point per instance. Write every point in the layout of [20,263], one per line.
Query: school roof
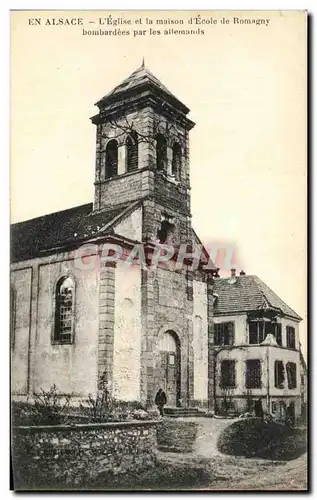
[245,294]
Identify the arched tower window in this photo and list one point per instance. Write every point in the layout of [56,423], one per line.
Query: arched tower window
[64,311]
[132,152]
[161,153]
[12,315]
[176,160]
[111,158]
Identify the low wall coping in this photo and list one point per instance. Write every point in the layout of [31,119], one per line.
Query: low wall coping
[93,426]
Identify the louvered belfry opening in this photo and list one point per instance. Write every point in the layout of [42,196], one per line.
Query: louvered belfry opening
[161,153]
[132,152]
[176,160]
[111,159]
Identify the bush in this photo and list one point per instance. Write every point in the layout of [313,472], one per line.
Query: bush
[253,437]
[47,408]
[51,408]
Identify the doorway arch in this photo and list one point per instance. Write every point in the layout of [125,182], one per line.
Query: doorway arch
[169,367]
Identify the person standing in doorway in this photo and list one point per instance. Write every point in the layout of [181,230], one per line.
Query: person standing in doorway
[160,401]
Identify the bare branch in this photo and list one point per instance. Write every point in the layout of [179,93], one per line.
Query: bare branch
[121,128]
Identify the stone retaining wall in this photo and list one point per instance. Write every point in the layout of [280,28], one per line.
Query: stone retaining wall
[70,456]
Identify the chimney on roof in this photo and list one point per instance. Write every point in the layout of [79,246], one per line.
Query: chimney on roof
[242,273]
[233,273]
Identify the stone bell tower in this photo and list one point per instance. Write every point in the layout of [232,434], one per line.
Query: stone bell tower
[142,161]
[142,153]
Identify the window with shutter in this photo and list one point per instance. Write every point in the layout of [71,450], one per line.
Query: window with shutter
[279,374]
[291,375]
[161,153]
[132,152]
[290,337]
[111,159]
[176,160]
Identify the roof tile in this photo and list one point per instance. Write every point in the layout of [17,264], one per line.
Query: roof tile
[29,238]
[247,293]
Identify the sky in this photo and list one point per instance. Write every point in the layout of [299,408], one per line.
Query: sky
[245,85]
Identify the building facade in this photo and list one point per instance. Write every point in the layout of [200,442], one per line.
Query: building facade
[93,301]
[257,348]
[104,295]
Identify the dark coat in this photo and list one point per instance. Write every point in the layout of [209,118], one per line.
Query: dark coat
[160,398]
[258,410]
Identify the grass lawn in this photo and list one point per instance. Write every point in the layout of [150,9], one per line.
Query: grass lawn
[175,471]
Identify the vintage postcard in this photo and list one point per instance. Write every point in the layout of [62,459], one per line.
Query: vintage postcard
[158,250]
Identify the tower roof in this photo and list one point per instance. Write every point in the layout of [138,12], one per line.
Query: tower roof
[138,80]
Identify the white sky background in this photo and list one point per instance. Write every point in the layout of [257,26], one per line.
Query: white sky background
[246,88]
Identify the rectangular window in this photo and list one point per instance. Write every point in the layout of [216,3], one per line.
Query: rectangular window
[228,373]
[290,337]
[257,331]
[253,374]
[274,407]
[291,375]
[279,374]
[224,333]
[278,333]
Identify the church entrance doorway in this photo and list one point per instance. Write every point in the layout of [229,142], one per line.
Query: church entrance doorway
[169,374]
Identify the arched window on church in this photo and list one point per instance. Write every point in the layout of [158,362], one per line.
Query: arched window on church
[132,152]
[111,158]
[64,311]
[12,315]
[161,153]
[176,160]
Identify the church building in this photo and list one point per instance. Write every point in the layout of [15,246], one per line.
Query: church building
[81,319]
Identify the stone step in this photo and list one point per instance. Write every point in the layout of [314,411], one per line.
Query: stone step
[183,412]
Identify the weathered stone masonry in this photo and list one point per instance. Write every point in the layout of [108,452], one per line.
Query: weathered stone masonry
[106,323]
[55,455]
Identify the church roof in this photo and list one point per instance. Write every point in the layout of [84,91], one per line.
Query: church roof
[32,237]
[140,78]
[246,294]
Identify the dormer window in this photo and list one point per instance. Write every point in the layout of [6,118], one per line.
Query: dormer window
[161,153]
[111,159]
[132,152]
[176,160]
